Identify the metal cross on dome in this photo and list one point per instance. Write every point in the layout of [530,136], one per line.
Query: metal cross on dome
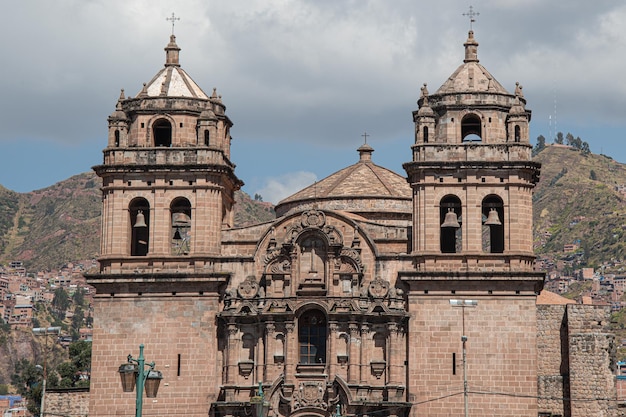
[471,14]
[173,19]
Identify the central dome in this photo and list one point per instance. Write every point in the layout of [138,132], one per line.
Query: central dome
[365,189]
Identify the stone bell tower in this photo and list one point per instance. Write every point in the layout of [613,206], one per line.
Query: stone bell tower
[472,178]
[168,182]
[167,193]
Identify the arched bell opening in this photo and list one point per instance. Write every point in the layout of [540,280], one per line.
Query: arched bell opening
[471,128]
[518,134]
[180,230]
[450,220]
[162,133]
[493,227]
[139,212]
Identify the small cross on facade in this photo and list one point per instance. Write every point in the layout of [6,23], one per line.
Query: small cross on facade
[471,14]
[365,135]
[173,19]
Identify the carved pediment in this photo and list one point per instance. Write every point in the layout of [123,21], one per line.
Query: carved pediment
[343,306]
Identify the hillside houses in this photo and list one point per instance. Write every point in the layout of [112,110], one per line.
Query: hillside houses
[20,292]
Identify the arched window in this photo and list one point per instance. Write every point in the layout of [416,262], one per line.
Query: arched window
[518,136]
[425,131]
[471,128]
[450,221]
[139,211]
[162,131]
[207,137]
[312,337]
[493,229]
[117,138]
[180,232]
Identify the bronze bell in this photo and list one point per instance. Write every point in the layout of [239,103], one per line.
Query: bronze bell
[141,220]
[451,220]
[493,219]
[180,219]
[177,235]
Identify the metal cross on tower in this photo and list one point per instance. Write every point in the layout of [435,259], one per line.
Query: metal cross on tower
[471,14]
[365,135]
[173,19]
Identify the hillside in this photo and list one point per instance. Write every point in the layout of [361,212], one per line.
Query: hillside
[50,227]
[578,201]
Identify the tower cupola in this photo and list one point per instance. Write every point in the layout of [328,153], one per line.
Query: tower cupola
[171,52]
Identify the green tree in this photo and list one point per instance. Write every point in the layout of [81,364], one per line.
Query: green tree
[60,303]
[78,319]
[569,139]
[80,355]
[27,379]
[585,148]
[79,297]
[559,138]
[540,146]
[67,373]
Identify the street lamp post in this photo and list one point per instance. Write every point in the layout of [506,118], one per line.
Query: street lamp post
[133,373]
[45,331]
[463,304]
[262,407]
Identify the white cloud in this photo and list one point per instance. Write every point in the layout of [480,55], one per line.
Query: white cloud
[277,188]
[305,71]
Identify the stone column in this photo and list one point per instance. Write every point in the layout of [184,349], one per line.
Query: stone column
[260,354]
[232,354]
[291,353]
[395,355]
[353,354]
[270,347]
[331,357]
[364,353]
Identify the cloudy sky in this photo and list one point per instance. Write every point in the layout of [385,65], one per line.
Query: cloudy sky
[301,79]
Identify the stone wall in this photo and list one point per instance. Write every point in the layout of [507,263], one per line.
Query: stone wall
[72,402]
[576,363]
[552,361]
[592,361]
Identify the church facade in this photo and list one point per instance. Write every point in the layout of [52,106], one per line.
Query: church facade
[371,293]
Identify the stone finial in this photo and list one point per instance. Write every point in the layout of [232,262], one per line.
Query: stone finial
[471,48]
[121,95]
[365,153]
[144,91]
[171,53]
[424,90]
[518,90]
